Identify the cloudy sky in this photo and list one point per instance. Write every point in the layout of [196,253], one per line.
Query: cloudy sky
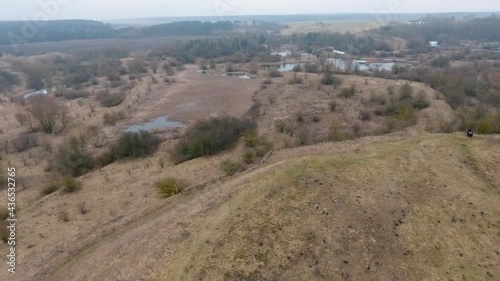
[107,9]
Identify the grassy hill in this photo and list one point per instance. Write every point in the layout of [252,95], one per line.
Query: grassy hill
[397,207]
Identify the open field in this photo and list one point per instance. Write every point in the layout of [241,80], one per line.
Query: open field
[344,25]
[348,211]
[353,26]
[132,45]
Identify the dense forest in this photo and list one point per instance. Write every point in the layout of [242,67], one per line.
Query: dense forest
[353,44]
[241,48]
[188,28]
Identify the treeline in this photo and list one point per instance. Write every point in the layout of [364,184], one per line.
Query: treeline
[447,31]
[240,48]
[20,32]
[72,71]
[184,28]
[347,42]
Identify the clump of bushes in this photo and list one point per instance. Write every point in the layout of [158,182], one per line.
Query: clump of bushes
[251,138]
[253,68]
[332,105]
[208,137]
[72,158]
[297,68]
[273,72]
[421,101]
[111,100]
[70,184]
[24,141]
[50,188]
[377,99]
[348,92]
[295,79]
[131,145]
[481,119]
[365,115]
[230,168]
[404,108]
[169,187]
[231,67]
[303,137]
[64,216]
[112,118]
[330,79]
[280,125]
[169,70]
[310,67]
[249,156]
[257,146]
[405,92]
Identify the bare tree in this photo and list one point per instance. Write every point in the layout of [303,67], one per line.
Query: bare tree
[64,118]
[48,112]
[154,65]
[21,118]
[96,136]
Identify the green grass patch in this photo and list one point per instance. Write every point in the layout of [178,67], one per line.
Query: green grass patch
[169,187]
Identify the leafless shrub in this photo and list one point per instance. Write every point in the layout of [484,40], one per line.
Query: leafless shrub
[82,208]
[365,115]
[96,136]
[24,141]
[64,216]
[48,112]
[112,118]
[21,118]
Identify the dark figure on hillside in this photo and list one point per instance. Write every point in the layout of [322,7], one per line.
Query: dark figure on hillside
[470,133]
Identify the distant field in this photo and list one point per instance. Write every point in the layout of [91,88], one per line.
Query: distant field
[353,26]
[132,45]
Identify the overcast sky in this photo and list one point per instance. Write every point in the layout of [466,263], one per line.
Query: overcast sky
[123,9]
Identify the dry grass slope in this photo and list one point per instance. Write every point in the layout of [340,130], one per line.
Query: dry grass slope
[418,209]
[406,206]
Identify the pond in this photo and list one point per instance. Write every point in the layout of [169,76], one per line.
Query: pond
[36,93]
[239,75]
[158,123]
[287,67]
[343,65]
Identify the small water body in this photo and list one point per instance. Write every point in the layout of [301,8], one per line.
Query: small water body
[343,65]
[158,123]
[287,67]
[36,93]
[237,75]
